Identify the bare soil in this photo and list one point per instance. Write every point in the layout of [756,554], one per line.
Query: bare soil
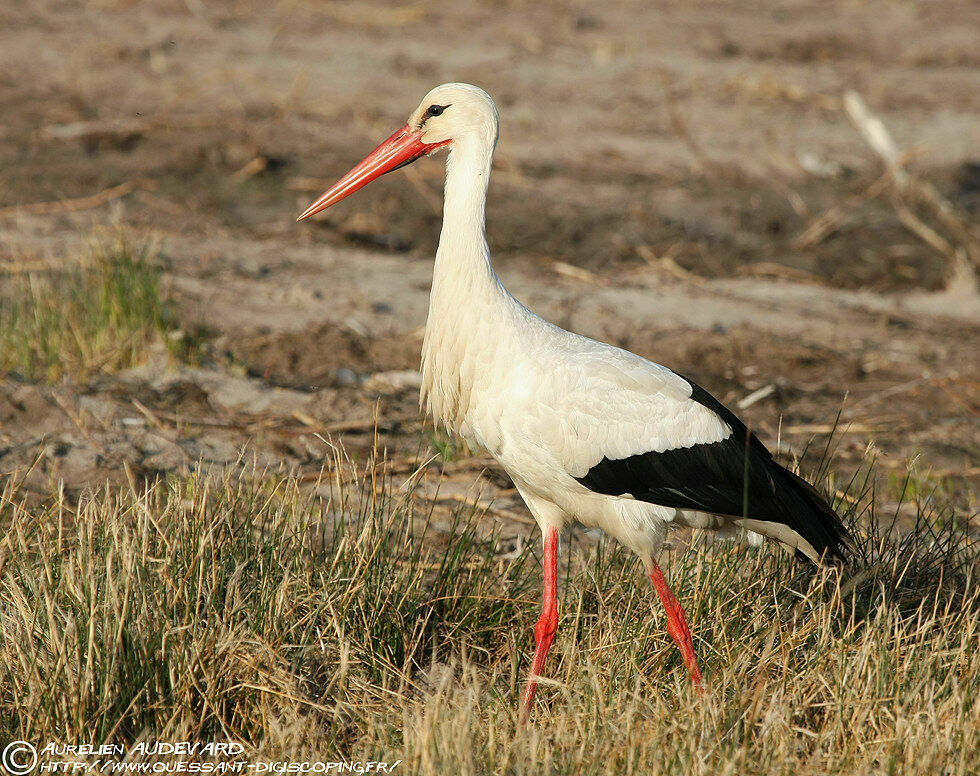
[678,179]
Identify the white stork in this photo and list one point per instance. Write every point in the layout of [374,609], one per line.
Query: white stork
[589,433]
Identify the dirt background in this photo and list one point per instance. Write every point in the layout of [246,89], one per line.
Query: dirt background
[679,179]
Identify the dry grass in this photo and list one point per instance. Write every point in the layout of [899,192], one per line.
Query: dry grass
[92,313]
[340,619]
[336,620]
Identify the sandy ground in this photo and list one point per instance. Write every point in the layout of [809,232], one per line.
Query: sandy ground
[681,180]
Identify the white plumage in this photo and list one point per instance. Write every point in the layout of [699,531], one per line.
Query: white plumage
[589,433]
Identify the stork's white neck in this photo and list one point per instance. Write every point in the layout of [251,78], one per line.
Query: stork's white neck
[463,256]
[467,297]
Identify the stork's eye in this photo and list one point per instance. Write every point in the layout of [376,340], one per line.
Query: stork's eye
[435,110]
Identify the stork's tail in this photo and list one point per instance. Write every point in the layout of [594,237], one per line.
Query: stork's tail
[807,513]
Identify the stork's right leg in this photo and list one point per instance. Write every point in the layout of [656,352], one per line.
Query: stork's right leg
[544,631]
[676,621]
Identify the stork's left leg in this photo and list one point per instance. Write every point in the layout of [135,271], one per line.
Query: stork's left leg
[676,621]
[544,631]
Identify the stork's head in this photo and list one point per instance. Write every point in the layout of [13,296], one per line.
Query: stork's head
[449,114]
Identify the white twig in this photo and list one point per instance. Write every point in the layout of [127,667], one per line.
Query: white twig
[757,396]
[876,135]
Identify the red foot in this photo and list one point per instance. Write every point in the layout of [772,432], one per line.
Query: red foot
[544,631]
[676,623]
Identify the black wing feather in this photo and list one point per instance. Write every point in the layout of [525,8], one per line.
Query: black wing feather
[736,477]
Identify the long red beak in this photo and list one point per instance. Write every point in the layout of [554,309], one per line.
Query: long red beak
[403,147]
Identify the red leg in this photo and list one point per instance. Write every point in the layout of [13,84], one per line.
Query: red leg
[544,631]
[676,621]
